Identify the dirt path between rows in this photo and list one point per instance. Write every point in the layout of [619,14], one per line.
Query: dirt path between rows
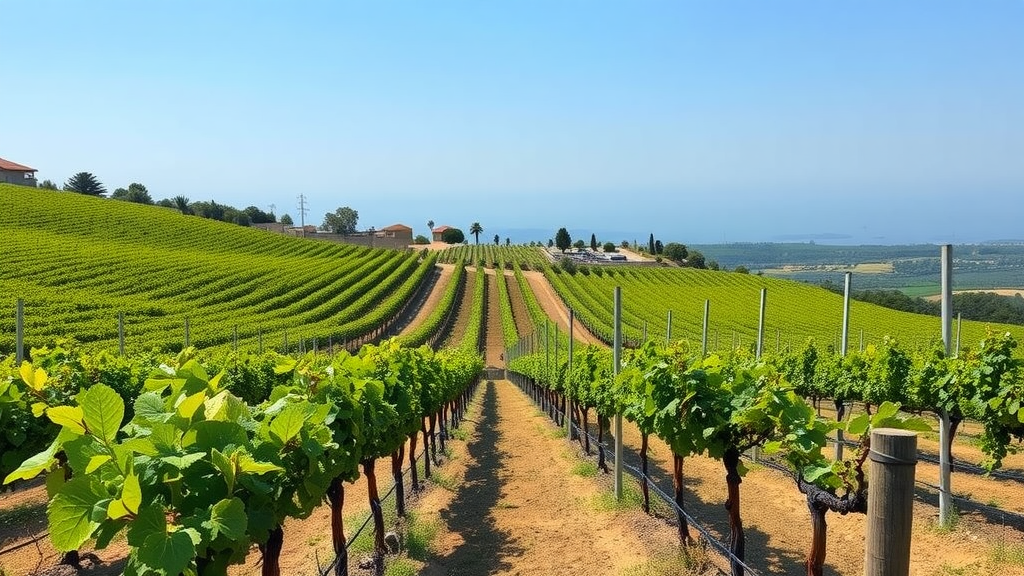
[445,275]
[494,349]
[518,508]
[465,308]
[556,310]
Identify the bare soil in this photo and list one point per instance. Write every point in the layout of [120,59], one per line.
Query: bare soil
[494,352]
[519,510]
[556,310]
[445,271]
[465,310]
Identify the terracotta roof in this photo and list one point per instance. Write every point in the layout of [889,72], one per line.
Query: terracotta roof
[395,227]
[440,228]
[8,165]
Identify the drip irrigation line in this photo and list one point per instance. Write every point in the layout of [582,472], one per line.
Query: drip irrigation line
[25,543]
[716,544]
[406,472]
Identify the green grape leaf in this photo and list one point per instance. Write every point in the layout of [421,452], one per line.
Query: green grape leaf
[183,462]
[288,423]
[224,407]
[69,417]
[96,461]
[812,473]
[248,465]
[226,468]
[188,405]
[33,466]
[70,513]
[228,517]
[167,554]
[859,425]
[144,446]
[116,509]
[131,494]
[34,378]
[103,410]
[149,407]
[38,408]
[150,520]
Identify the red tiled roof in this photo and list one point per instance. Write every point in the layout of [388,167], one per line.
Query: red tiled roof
[440,229]
[396,227]
[8,165]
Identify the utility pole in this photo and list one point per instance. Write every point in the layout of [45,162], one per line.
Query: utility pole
[302,213]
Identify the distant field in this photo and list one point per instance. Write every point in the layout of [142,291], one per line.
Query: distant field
[77,262]
[861,268]
[1000,291]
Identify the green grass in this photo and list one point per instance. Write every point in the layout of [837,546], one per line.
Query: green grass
[444,481]
[951,525]
[399,567]
[78,261]
[420,536]
[1012,554]
[632,499]
[586,468]
[693,561]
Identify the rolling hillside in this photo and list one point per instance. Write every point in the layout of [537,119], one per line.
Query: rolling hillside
[78,261]
[794,311]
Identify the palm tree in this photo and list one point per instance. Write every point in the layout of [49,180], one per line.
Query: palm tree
[181,203]
[475,230]
[430,224]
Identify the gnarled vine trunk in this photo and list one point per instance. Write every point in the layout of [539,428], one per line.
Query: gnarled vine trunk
[737,542]
[677,483]
[396,472]
[336,496]
[379,547]
[584,431]
[600,444]
[272,553]
[426,450]
[820,502]
[412,462]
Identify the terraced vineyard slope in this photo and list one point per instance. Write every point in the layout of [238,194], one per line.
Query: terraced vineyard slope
[79,261]
[794,311]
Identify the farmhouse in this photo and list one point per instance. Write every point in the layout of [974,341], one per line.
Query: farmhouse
[14,173]
[437,232]
[401,233]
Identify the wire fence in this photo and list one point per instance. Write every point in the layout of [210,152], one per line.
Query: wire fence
[723,550]
[720,547]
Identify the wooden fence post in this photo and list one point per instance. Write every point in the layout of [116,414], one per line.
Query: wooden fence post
[890,502]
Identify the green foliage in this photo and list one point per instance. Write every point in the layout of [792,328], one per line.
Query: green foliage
[675,252]
[342,221]
[562,239]
[453,236]
[85,183]
[78,261]
[134,193]
[476,229]
[197,474]
[609,247]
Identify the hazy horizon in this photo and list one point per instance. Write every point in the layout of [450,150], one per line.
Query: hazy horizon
[701,122]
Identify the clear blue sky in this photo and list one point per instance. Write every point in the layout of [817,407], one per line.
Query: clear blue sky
[701,121]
